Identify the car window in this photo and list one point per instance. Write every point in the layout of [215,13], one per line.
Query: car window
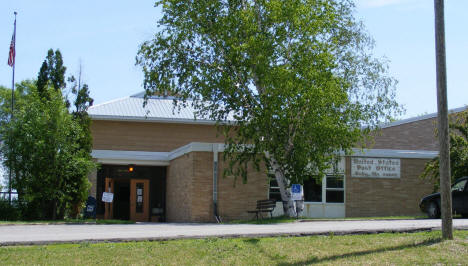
[460,186]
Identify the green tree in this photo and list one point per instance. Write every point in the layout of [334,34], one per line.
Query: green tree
[40,144]
[47,145]
[458,131]
[51,73]
[82,101]
[297,77]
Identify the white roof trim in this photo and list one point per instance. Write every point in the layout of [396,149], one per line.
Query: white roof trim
[196,147]
[135,162]
[419,118]
[131,157]
[164,158]
[387,153]
[152,119]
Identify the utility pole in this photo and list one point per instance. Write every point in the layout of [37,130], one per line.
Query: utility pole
[444,140]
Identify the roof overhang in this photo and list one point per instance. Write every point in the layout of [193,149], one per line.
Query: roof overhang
[131,157]
[164,158]
[152,119]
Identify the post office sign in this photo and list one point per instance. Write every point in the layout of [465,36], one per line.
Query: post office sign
[375,167]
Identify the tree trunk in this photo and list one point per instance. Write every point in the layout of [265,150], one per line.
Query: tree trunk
[444,140]
[288,204]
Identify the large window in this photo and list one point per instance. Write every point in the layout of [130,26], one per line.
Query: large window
[332,186]
[313,190]
[335,189]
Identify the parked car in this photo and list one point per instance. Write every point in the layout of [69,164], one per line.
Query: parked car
[431,204]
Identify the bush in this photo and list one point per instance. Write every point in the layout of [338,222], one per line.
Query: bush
[9,212]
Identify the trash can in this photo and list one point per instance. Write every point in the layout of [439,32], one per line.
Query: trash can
[90,209]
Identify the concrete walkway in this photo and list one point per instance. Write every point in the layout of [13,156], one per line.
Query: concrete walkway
[71,233]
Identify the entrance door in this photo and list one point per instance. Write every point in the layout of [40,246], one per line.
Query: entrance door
[121,210]
[139,200]
[109,187]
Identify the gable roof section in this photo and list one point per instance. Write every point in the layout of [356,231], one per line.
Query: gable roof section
[157,109]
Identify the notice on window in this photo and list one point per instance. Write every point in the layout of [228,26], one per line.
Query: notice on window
[107,197]
[375,167]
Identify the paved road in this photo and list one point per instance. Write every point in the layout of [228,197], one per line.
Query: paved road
[42,234]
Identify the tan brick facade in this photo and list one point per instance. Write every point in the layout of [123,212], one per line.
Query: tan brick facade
[387,196]
[190,190]
[147,136]
[179,189]
[189,181]
[202,187]
[418,135]
[235,197]
[92,178]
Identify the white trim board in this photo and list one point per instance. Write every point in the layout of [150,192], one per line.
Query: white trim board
[152,119]
[135,162]
[131,157]
[387,153]
[164,158]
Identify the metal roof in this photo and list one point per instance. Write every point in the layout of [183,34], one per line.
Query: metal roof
[422,117]
[157,109]
[161,109]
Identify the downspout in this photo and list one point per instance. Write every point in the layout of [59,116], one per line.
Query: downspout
[215,183]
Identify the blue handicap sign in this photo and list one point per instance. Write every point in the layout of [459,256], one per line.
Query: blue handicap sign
[296,189]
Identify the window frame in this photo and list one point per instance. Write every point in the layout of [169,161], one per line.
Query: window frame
[325,188]
[341,173]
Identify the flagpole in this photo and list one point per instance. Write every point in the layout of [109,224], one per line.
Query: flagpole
[12,105]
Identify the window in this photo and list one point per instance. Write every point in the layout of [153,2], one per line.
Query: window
[274,192]
[335,189]
[312,190]
[460,186]
[331,186]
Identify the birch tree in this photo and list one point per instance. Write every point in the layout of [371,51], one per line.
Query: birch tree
[290,82]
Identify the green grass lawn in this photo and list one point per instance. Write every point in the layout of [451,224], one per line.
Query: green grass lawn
[377,249]
[68,221]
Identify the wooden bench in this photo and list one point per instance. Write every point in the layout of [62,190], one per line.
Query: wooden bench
[264,206]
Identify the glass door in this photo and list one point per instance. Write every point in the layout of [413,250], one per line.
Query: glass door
[139,200]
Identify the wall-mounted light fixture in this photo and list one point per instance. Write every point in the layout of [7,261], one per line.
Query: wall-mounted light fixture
[131,167]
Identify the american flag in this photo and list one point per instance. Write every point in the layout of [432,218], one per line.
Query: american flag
[11,54]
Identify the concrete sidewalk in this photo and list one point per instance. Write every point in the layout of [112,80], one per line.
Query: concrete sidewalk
[73,233]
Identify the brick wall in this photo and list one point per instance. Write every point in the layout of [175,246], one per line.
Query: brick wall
[387,197]
[179,189]
[148,136]
[418,135]
[92,178]
[202,186]
[236,198]
[190,190]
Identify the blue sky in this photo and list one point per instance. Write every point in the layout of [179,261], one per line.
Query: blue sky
[104,36]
